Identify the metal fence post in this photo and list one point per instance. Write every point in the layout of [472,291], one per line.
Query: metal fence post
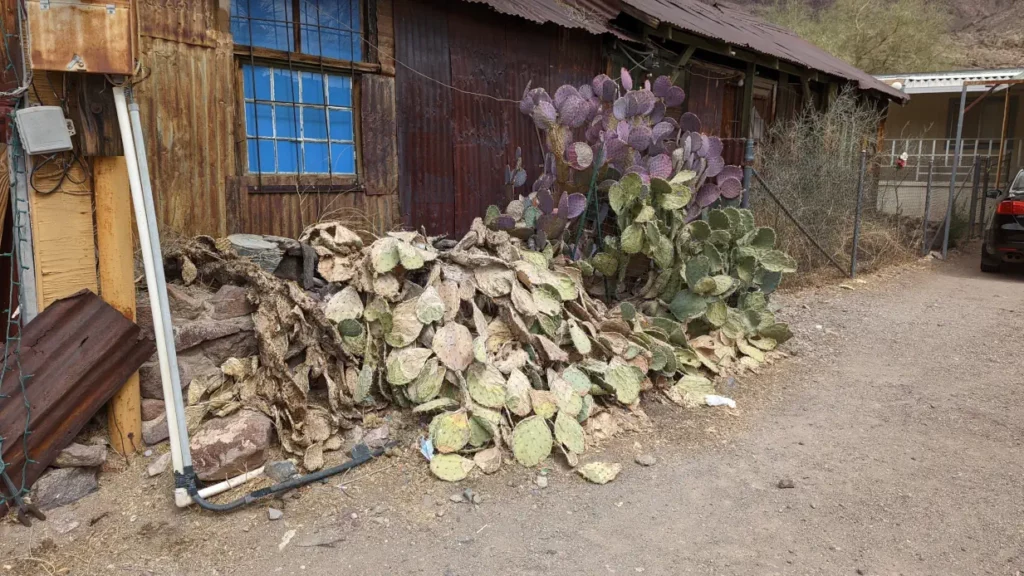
[984,197]
[956,164]
[856,219]
[748,165]
[975,184]
[927,209]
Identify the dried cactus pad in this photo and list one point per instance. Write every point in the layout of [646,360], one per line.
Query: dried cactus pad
[451,467]
[531,441]
[600,472]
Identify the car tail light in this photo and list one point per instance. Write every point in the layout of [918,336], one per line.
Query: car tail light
[1011,208]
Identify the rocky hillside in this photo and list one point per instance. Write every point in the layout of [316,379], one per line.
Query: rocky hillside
[983,33]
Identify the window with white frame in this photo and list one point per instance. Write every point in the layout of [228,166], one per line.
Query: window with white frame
[299,111]
[298,121]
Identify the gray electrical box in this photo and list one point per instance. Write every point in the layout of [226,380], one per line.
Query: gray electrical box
[44,129]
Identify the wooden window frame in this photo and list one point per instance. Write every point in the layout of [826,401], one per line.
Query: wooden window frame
[259,183]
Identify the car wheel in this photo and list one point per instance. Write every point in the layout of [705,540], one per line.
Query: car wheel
[987,265]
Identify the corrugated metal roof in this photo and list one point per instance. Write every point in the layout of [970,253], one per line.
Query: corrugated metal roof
[948,82]
[708,18]
[591,15]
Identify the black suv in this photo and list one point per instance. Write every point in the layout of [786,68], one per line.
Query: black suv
[1004,235]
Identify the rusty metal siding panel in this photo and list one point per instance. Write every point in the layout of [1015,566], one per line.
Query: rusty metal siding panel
[590,15]
[479,125]
[707,18]
[188,112]
[186,21]
[704,98]
[79,352]
[426,179]
[731,24]
[484,53]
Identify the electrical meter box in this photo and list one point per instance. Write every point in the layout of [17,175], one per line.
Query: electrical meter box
[43,129]
[99,36]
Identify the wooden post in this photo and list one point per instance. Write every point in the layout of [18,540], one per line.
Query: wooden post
[1002,138]
[747,113]
[117,286]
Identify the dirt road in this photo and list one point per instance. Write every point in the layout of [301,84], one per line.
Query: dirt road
[900,420]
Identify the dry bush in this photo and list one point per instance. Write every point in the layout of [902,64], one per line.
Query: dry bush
[812,165]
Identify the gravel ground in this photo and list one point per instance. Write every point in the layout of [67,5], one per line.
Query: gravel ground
[897,422]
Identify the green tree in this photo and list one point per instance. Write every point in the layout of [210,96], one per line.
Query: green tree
[877,36]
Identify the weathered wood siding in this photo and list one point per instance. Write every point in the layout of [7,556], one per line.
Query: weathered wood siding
[188,112]
[454,144]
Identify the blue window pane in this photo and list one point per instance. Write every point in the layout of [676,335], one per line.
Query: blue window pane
[287,121]
[286,85]
[254,166]
[314,123]
[312,88]
[261,156]
[330,43]
[344,158]
[314,156]
[339,90]
[271,23]
[287,156]
[258,76]
[341,125]
[259,120]
[240,30]
[275,35]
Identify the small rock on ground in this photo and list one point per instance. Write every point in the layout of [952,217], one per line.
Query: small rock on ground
[542,481]
[646,460]
[786,483]
[274,514]
[159,466]
[63,486]
[457,498]
[81,456]
[152,408]
[155,431]
[280,471]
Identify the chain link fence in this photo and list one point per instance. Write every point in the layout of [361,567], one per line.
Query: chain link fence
[13,379]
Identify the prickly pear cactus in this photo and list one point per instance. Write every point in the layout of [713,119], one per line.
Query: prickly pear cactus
[532,441]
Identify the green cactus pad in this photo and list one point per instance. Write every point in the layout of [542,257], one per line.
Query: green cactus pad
[532,441]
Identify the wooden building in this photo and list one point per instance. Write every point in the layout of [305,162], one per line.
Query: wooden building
[265,116]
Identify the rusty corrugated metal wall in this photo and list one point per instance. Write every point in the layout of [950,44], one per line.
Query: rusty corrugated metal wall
[453,146]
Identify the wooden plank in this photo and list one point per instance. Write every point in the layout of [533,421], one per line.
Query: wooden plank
[63,239]
[379,143]
[92,110]
[60,209]
[187,107]
[747,110]
[386,36]
[117,287]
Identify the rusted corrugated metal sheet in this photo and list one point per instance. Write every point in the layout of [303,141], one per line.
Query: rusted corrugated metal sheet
[78,352]
[187,105]
[466,147]
[426,181]
[707,18]
[590,15]
[730,24]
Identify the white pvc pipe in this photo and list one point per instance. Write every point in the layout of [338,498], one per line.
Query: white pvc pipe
[226,485]
[180,455]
